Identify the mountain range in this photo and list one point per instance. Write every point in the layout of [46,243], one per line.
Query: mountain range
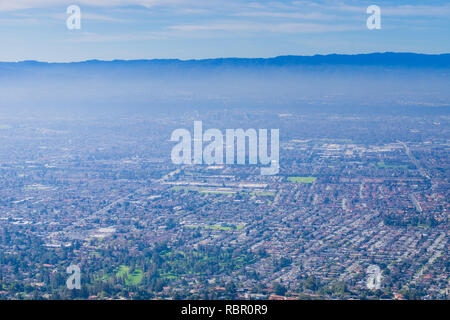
[321,82]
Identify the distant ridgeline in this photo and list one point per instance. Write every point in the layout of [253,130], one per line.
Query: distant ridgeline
[388,59]
[322,82]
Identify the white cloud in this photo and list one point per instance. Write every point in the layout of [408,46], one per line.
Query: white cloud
[418,10]
[294,9]
[7,5]
[264,27]
[289,15]
[91,37]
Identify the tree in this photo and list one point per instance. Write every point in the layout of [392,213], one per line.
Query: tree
[279,289]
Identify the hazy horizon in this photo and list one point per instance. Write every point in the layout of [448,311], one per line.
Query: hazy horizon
[233,57]
[193,29]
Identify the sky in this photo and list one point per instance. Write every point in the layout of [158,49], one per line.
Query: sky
[196,29]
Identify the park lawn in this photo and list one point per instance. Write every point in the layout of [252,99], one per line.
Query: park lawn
[218,192]
[181,188]
[131,278]
[263,194]
[302,179]
[219,227]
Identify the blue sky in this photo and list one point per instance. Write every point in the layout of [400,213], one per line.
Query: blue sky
[185,29]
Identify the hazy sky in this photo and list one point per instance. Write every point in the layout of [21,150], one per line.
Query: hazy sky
[145,29]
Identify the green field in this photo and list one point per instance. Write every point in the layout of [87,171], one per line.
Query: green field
[218,192]
[133,278]
[263,194]
[180,264]
[181,188]
[302,179]
[219,227]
